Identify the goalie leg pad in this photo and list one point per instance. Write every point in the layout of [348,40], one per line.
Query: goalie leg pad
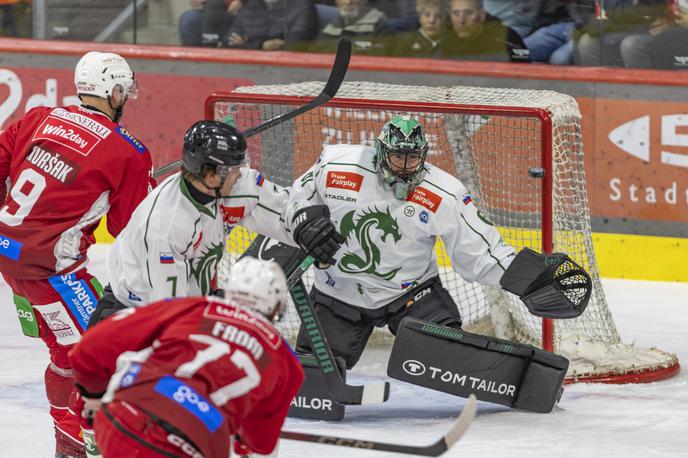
[460,363]
[314,400]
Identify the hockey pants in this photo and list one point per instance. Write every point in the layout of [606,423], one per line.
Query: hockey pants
[61,306]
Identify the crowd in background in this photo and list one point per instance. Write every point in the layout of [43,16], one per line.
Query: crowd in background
[627,33]
[631,33]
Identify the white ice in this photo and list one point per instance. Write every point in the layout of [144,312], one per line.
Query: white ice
[643,420]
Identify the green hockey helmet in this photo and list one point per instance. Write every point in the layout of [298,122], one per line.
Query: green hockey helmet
[400,152]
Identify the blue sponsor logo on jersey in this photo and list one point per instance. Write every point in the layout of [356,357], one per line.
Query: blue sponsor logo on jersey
[409,284]
[330,281]
[10,248]
[423,217]
[131,139]
[130,376]
[190,400]
[77,295]
[133,297]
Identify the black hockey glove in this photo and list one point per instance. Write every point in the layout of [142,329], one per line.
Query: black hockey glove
[550,285]
[316,235]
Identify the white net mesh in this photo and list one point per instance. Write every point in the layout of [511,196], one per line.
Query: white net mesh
[498,142]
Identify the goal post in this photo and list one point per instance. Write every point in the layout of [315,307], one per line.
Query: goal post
[520,154]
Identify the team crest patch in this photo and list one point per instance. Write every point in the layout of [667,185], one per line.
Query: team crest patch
[344,180]
[426,198]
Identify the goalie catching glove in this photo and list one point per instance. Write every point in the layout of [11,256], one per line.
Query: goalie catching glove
[550,285]
[316,235]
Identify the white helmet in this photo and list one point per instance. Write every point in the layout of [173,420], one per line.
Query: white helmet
[259,285]
[97,74]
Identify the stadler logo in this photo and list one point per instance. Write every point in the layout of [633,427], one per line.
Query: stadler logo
[413,367]
[633,137]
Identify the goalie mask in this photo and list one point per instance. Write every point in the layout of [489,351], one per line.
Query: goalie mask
[400,152]
[216,145]
[258,285]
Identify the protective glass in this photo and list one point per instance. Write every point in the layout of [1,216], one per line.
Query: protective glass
[224,171]
[130,89]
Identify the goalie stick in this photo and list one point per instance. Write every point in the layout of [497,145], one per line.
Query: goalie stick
[373,393]
[337,74]
[458,429]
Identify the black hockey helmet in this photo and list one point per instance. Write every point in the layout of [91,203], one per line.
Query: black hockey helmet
[212,143]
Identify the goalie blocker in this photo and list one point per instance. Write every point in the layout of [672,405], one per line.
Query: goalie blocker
[460,363]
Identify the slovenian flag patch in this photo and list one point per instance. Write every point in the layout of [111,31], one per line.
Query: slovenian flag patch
[166,258]
[467,200]
[259,180]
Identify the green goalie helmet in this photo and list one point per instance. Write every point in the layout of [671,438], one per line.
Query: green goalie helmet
[400,152]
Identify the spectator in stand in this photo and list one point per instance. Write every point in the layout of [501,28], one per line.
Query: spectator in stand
[218,16]
[272,24]
[291,27]
[426,40]
[190,24]
[669,49]
[622,33]
[15,16]
[476,36]
[368,27]
[545,26]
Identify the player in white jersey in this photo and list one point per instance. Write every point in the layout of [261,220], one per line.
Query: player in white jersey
[390,206]
[176,236]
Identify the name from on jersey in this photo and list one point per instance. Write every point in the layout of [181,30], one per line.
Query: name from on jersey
[239,337]
[84,121]
[344,180]
[67,134]
[218,311]
[54,164]
[426,198]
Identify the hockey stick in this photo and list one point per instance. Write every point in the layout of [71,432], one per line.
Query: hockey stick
[446,442]
[337,74]
[343,393]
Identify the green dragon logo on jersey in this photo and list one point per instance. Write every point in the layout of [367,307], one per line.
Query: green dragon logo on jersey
[362,231]
[206,266]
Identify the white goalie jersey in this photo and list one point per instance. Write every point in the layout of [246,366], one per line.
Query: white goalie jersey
[172,244]
[390,243]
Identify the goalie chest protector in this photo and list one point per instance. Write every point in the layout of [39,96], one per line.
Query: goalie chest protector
[460,363]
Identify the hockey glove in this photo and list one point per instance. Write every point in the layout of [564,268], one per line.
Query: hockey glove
[316,235]
[550,285]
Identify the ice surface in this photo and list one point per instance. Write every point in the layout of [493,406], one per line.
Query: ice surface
[644,420]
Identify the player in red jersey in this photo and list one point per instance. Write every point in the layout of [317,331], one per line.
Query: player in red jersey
[67,167]
[180,377]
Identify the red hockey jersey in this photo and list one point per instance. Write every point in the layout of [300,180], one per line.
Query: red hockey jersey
[67,167]
[208,368]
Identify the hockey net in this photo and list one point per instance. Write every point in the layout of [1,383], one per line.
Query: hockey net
[519,152]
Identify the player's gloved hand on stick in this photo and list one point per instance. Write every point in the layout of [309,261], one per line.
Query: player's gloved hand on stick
[316,235]
[88,404]
[550,285]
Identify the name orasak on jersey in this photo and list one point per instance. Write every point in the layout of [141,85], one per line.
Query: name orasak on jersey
[54,164]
